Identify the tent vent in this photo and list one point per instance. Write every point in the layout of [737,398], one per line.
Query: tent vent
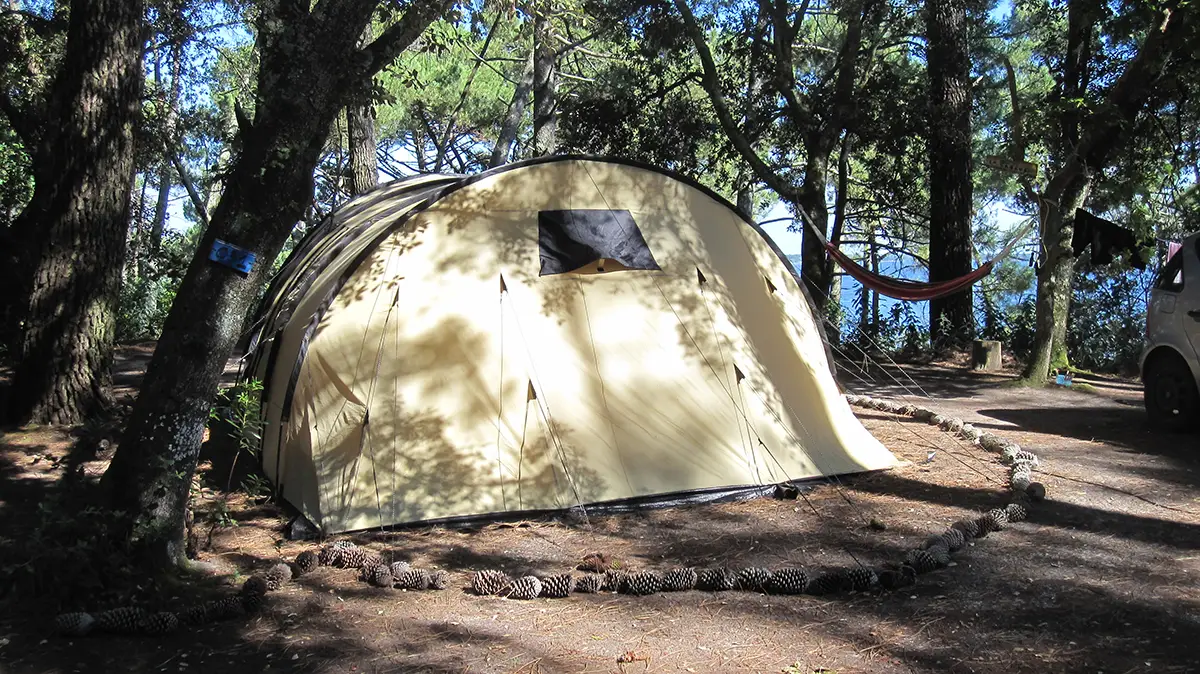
[531,393]
[569,240]
[700,276]
[738,374]
[770,286]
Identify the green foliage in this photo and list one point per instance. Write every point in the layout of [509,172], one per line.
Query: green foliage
[1106,328]
[241,408]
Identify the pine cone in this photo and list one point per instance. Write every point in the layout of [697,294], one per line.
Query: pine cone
[306,561]
[679,580]
[1026,457]
[278,576]
[595,562]
[953,539]
[968,528]
[125,620]
[894,579]
[224,609]
[1015,512]
[373,560]
[557,587]
[753,579]
[413,579]
[924,561]
[998,518]
[74,624]
[1036,491]
[352,558]
[788,580]
[256,585]
[159,623]
[614,580]
[832,581]
[377,576]
[643,583]
[330,556]
[439,580]
[344,545]
[589,584]
[196,614]
[716,580]
[399,568]
[985,525]
[528,587]
[251,603]
[489,582]
[862,579]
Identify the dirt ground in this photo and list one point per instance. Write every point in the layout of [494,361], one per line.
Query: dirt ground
[1104,576]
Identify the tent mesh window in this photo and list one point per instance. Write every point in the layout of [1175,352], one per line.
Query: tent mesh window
[569,240]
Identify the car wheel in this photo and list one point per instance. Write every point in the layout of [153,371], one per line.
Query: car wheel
[1172,401]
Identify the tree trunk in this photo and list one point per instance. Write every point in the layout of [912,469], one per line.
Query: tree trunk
[303,83]
[360,133]
[1100,135]
[516,112]
[80,211]
[951,319]
[814,265]
[835,237]
[545,85]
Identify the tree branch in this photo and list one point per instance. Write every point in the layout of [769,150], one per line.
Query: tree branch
[400,35]
[712,85]
[193,193]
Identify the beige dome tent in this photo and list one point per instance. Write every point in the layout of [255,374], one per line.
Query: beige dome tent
[553,333]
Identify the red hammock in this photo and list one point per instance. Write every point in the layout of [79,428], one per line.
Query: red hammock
[907,290]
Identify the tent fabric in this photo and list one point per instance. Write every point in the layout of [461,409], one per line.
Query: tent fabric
[418,365]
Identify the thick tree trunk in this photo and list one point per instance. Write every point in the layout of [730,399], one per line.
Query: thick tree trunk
[516,112]
[360,133]
[1100,134]
[303,83]
[811,199]
[951,319]
[545,85]
[80,212]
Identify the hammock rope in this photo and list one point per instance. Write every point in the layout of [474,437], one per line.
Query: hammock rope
[914,291]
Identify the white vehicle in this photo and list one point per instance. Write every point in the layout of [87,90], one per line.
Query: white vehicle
[1171,360]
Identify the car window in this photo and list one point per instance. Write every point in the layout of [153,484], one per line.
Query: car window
[1170,278]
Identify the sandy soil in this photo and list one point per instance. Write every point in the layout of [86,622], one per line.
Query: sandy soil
[1104,576]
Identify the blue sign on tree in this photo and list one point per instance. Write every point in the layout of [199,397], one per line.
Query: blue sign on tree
[232,256]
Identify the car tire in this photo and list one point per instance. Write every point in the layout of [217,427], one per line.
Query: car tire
[1170,394]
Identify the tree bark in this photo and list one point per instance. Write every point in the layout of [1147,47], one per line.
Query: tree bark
[516,112]
[1101,133]
[360,134]
[545,85]
[83,166]
[309,63]
[951,319]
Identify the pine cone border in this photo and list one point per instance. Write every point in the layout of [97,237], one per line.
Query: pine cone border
[862,579]
[679,580]
[278,576]
[595,562]
[229,607]
[643,583]
[753,579]
[413,579]
[352,558]
[1016,512]
[954,539]
[399,568]
[124,620]
[155,624]
[489,581]
[789,580]
[557,587]
[307,561]
[922,561]
[255,585]
[614,580]
[329,556]
[997,519]
[76,624]
[253,603]
[528,587]
[1036,491]
[439,580]
[716,580]
[589,584]
[379,575]
[969,529]
[831,582]
[894,579]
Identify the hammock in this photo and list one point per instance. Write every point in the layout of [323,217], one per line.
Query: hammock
[915,291]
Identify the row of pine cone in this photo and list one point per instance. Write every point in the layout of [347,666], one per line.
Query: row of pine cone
[933,554]
[372,568]
[134,620]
